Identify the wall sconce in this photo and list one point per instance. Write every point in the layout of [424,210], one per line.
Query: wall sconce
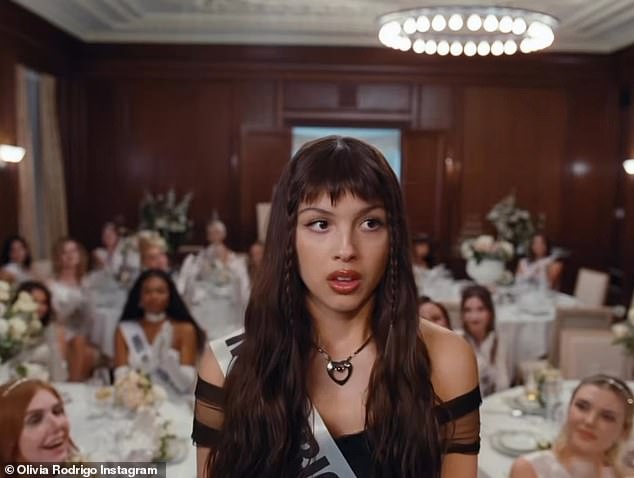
[11,154]
[628,165]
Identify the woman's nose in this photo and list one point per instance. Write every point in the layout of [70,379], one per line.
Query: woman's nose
[346,250]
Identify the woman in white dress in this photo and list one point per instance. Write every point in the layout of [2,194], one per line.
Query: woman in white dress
[217,285]
[50,352]
[73,307]
[15,260]
[157,334]
[478,322]
[598,424]
[539,268]
[422,259]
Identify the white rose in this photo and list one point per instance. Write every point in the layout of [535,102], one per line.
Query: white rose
[25,303]
[466,250]
[4,328]
[159,394]
[483,243]
[507,247]
[620,330]
[35,326]
[17,328]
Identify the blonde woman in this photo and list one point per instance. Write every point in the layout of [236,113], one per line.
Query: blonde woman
[599,422]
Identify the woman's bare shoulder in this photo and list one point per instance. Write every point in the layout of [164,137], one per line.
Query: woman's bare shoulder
[454,371]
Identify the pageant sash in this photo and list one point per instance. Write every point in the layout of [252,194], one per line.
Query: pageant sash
[321,457]
[138,347]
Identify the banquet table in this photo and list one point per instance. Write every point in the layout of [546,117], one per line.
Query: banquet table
[97,430]
[499,414]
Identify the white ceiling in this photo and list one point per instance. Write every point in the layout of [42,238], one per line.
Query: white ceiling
[586,25]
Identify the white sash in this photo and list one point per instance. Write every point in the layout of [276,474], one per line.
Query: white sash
[139,350]
[321,457]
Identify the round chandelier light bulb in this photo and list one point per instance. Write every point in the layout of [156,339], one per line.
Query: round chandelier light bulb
[484,48]
[490,23]
[455,22]
[423,24]
[470,48]
[419,46]
[430,47]
[456,48]
[628,165]
[438,23]
[510,47]
[497,48]
[467,30]
[474,22]
[443,48]
[506,24]
[409,26]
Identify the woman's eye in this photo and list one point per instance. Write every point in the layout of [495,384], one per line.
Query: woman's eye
[609,417]
[372,224]
[318,226]
[58,410]
[34,419]
[581,405]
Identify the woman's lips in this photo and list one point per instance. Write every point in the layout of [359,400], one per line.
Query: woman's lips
[586,435]
[344,281]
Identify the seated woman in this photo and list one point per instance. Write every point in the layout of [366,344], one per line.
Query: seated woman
[539,268]
[422,259]
[478,322]
[153,250]
[218,285]
[157,334]
[598,424]
[35,428]
[74,307]
[15,261]
[434,312]
[51,351]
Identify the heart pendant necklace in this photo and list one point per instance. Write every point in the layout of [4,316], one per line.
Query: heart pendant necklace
[343,368]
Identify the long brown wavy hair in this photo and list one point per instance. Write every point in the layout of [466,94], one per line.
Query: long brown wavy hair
[266,400]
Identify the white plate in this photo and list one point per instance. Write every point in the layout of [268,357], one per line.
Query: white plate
[514,442]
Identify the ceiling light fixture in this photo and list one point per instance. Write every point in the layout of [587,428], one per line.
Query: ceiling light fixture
[468,30]
[11,154]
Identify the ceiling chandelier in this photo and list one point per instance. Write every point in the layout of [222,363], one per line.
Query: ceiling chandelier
[467,30]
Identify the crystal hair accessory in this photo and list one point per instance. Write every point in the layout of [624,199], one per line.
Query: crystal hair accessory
[15,384]
[344,366]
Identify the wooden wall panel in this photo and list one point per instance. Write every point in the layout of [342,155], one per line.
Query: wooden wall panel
[514,141]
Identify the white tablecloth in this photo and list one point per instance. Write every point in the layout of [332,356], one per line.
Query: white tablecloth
[496,414]
[95,432]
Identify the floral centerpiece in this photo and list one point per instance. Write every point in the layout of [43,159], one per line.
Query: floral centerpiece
[135,391]
[486,258]
[166,215]
[513,224]
[624,333]
[20,327]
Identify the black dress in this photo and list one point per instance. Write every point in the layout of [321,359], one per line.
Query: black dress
[460,416]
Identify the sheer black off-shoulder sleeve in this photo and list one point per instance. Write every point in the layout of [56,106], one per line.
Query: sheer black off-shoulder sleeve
[208,414]
[460,420]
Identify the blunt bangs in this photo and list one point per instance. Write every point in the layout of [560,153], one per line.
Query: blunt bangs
[338,165]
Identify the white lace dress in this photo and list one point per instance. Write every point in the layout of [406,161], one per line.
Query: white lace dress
[216,291]
[73,308]
[546,465]
[494,376]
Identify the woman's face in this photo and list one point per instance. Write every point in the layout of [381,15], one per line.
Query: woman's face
[45,434]
[342,252]
[432,312]
[109,236]
[538,246]
[215,234]
[256,251]
[596,420]
[39,296]
[476,317]
[154,257]
[70,255]
[18,252]
[155,295]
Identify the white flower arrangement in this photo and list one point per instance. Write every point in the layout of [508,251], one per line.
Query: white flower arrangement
[486,247]
[168,445]
[164,214]
[19,323]
[135,391]
[513,224]
[624,332]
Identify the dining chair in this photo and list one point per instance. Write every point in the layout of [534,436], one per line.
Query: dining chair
[591,287]
[577,318]
[586,352]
